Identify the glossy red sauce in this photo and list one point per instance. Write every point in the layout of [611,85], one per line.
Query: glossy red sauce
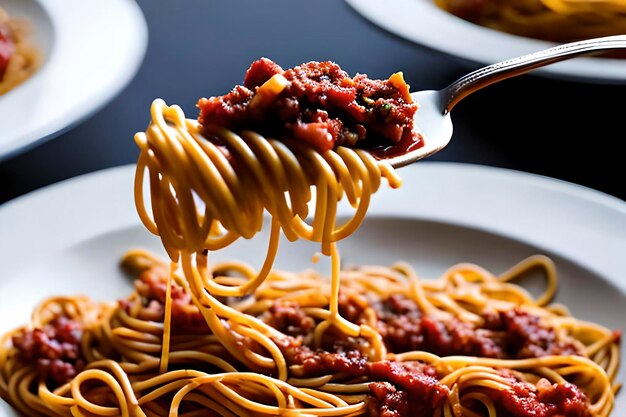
[543,400]
[6,48]
[404,389]
[320,105]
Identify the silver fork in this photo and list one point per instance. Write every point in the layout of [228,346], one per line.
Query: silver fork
[433,120]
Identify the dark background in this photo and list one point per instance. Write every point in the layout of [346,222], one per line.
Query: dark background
[565,130]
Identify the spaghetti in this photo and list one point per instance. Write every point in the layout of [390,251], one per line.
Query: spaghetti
[19,57]
[223,339]
[552,20]
[562,366]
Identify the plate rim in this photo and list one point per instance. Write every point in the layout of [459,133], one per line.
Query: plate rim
[401,17]
[129,60]
[592,234]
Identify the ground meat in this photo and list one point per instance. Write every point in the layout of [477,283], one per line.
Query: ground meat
[513,334]
[400,389]
[404,328]
[527,338]
[260,71]
[152,286]
[55,349]
[288,318]
[319,362]
[404,389]
[319,104]
[350,309]
[543,400]
[412,389]
[385,400]
[7,48]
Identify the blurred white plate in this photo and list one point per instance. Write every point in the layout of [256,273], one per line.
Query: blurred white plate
[422,22]
[68,238]
[92,50]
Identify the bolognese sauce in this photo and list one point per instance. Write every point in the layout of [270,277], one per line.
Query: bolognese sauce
[396,389]
[319,104]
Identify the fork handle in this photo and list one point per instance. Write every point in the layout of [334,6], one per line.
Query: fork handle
[485,76]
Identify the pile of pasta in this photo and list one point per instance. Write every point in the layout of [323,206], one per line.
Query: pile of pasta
[199,338]
[221,372]
[552,20]
[23,56]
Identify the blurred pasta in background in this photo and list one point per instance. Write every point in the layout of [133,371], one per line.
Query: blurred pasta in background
[552,20]
[19,56]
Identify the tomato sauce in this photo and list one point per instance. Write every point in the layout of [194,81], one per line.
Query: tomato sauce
[319,104]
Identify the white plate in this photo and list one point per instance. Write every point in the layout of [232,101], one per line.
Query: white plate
[92,50]
[68,237]
[422,22]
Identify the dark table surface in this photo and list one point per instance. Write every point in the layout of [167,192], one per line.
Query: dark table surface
[565,130]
